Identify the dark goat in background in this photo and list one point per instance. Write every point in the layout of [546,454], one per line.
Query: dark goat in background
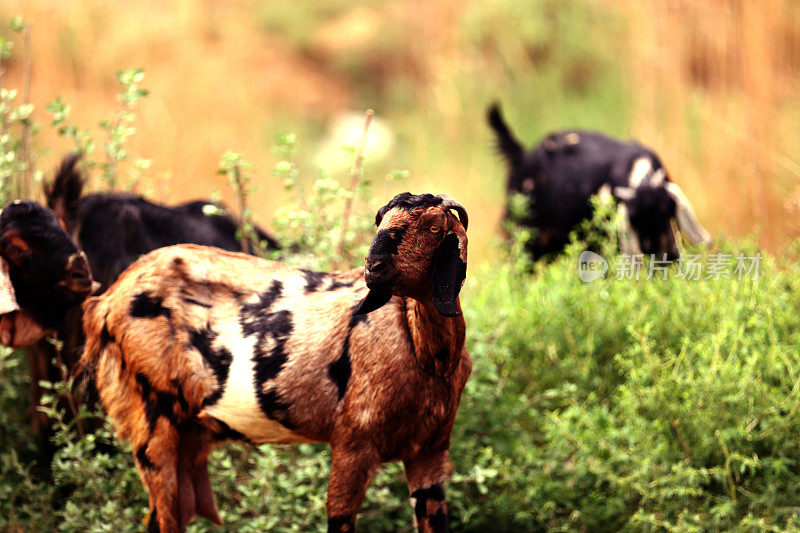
[48,273]
[564,171]
[49,278]
[115,229]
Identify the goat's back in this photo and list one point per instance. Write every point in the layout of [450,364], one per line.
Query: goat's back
[582,161]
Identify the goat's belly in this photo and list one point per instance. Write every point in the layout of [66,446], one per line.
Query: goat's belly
[248,419]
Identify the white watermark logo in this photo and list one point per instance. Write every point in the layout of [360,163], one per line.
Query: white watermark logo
[591,266]
[719,266]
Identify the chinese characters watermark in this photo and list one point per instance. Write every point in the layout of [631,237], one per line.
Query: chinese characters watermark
[719,266]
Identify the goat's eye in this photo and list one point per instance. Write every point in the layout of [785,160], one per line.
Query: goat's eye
[434,229]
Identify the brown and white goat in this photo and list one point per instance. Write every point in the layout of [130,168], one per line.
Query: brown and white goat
[194,345]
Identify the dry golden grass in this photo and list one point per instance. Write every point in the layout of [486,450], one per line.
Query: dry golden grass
[215,80]
[714,89]
[717,93]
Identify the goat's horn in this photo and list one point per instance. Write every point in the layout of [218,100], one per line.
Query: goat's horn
[450,203]
[684,214]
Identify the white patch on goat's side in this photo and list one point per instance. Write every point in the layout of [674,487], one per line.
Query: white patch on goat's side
[294,285]
[238,407]
[640,169]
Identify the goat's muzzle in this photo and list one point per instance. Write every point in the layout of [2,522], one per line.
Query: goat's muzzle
[78,277]
[378,272]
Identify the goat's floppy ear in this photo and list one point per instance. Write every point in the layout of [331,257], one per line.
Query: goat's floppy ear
[449,272]
[372,301]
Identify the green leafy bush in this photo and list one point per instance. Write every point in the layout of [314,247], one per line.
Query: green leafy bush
[635,405]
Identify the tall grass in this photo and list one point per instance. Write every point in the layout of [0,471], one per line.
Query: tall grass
[717,94]
[710,85]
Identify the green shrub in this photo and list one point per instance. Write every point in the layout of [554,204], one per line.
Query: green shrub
[639,405]
[612,405]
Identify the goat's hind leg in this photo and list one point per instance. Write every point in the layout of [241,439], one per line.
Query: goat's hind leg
[157,459]
[426,477]
[194,486]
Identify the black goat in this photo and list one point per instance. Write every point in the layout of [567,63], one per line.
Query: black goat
[565,170]
[44,279]
[47,274]
[115,229]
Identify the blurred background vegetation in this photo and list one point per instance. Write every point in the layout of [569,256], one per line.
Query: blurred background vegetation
[640,406]
[711,86]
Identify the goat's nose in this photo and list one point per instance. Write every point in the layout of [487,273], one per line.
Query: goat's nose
[376,266]
[376,270]
[79,277]
[77,260]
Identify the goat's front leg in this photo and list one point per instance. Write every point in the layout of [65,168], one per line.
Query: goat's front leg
[352,468]
[426,477]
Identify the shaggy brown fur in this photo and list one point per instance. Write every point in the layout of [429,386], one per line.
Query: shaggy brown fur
[195,345]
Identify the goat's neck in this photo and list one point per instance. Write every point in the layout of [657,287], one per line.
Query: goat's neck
[438,340]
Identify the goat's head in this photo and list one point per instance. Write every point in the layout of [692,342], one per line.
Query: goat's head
[47,271]
[419,251]
[648,210]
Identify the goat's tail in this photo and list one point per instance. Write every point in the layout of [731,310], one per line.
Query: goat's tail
[64,192]
[508,145]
